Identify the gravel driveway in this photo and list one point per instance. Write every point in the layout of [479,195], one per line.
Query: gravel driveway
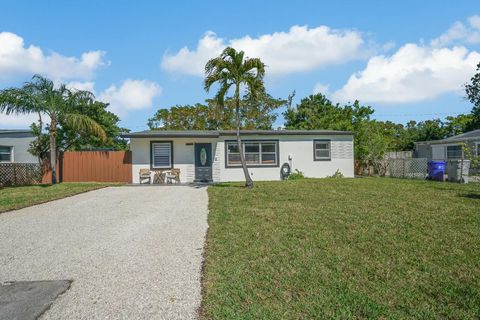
[132,252]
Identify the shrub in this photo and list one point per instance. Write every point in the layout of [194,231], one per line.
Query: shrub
[297,175]
[337,174]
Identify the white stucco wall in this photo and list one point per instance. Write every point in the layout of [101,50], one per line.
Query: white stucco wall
[183,156]
[300,149]
[20,143]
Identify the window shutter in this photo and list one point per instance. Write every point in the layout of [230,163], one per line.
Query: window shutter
[162,155]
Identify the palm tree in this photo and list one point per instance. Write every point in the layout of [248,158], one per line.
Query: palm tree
[232,69]
[41,96]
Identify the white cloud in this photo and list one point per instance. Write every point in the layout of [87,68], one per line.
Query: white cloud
[474,21]
[321,88]
[130,95]
[13,121]
[17,60]
[82,85]
[460,32]
[300,49]
[413,73]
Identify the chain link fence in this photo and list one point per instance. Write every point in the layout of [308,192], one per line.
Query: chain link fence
[417,168]
[413,168]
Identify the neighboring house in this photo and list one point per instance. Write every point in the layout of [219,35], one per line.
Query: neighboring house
[214,155]
[449,148]
[14,146]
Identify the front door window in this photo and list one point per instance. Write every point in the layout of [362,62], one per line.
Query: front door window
[203,156]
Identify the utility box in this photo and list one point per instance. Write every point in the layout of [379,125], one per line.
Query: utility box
[458,170]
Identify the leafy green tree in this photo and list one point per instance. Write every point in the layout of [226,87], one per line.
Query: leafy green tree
[59,103]
[70,139]
[472,90]
[96,110]
[255,114]
[260,112]
[231,70]
[421,131]
[197,117]
[435,129]
[316,112]
[374,141]
[458,124]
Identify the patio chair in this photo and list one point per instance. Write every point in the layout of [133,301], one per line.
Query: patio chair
[173,176]
[145,175]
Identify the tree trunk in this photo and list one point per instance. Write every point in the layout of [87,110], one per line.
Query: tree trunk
[53,148]
[248,179]
[39,138]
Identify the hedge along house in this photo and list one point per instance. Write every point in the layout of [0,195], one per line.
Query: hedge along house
[213,156]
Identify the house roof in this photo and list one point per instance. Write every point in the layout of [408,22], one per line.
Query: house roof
[467,136]
[5,131]
[218,133]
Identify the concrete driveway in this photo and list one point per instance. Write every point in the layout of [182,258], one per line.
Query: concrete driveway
[132,252]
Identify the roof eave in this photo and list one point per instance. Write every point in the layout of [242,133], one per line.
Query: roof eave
[216,134]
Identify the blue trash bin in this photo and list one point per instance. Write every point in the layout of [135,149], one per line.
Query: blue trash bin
[436,170]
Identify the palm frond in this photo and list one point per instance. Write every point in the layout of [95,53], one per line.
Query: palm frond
[222,92]
[84,123]
[15,101]
[256,64]
[231,68]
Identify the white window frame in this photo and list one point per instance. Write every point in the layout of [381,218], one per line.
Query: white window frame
[260,153]
[323,141]
[453,158]
[152,157]
[10,153]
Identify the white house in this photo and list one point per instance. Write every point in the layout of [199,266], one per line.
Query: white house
[450,148]
[213,155]
[14,146]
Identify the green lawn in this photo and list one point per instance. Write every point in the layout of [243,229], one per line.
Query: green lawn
[343,248]
[19,197]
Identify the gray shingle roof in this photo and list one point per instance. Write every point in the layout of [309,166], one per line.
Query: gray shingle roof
[15,131]
[218,133]
[467,136]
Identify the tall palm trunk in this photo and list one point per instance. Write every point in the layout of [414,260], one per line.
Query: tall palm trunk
[41,160]
[53,148]
[248,179]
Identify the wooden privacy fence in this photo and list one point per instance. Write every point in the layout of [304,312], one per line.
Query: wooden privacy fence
[98,166]
[93,166]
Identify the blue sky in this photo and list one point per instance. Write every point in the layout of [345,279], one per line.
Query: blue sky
[406,59]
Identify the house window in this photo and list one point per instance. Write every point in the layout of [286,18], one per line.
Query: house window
[257,153]
[322,150]
[6,154]
[162,155]
[454,152]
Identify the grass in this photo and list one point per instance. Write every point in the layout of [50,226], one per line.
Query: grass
[364,248]
[12,198]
